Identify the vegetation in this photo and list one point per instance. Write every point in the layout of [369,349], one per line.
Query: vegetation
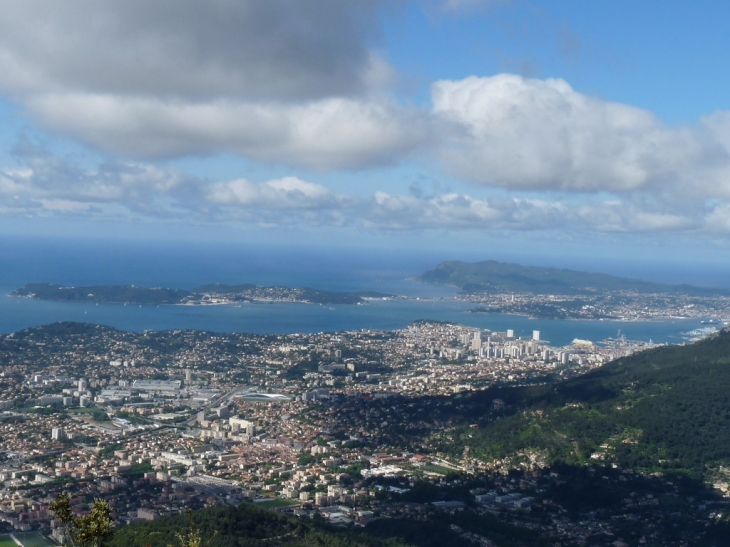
[244,526]
[91,530]
[193,536]
[666,409]
[440,529]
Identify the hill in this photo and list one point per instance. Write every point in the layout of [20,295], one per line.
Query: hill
[248,525]
[243,526]
[494,276]
[666,409]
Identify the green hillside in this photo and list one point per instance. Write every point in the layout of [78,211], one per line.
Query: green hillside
[662,409]
[243,526]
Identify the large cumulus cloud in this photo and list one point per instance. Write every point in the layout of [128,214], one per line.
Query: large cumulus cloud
[532,134]
[330,133]
[294,82]
[249,49]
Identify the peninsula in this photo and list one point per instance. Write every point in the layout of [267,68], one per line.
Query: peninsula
[553,293]
[213,294]
[493,276]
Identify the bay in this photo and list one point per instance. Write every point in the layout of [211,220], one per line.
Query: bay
[186,266]
[281,318]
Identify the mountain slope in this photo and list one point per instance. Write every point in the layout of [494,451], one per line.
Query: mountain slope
[242,526]
[662,409]
[491,275]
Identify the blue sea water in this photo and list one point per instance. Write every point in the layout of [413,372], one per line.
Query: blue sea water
[187,266]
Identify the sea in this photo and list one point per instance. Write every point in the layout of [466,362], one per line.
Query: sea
[177,265]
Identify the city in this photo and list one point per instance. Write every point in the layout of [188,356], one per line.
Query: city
[162,422]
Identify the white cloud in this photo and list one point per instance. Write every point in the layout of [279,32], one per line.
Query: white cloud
[327,134]
[47,185]
[627,217]
[506,131]
[47,182]
[51,185]
[184,48]
[285,193]
[718,219]
[301,83]
[533,134]
[462,212]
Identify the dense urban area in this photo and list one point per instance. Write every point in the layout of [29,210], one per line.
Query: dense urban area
[349,426]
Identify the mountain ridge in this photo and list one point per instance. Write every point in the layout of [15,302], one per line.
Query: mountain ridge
[664,409]
[495,276]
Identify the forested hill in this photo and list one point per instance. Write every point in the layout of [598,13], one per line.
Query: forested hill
[243,526]
[661,409]
[494,276]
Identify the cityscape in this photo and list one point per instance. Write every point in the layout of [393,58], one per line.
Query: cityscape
[373,273]
[162,422]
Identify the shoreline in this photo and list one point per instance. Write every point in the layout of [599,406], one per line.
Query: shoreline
[369,300]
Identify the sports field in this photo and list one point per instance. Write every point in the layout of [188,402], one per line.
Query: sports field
[6,541]
[32,539]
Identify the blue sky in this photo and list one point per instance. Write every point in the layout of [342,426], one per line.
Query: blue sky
[563,129]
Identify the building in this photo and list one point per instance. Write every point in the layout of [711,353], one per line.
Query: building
[162,387]
[242,426]
[476,342]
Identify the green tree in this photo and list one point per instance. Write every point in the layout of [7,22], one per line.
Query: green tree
[90,530]
[99,416]
[192,537]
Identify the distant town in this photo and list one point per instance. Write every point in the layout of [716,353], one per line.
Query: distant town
[613,306]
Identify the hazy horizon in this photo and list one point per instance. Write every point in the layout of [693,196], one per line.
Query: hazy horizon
[57,259]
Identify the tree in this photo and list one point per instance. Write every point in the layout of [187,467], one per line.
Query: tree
[193,537]
[99,415]
[90,530]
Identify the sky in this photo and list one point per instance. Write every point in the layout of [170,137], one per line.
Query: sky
[489,127]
